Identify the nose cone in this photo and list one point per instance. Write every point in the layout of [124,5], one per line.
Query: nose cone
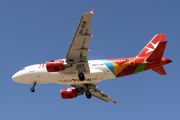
[16,77]
[168,60]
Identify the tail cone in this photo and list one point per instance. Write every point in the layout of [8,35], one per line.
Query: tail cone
[168,60]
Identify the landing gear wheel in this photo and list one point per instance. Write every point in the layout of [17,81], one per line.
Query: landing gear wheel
[81,76]
[88,95]
[32,89]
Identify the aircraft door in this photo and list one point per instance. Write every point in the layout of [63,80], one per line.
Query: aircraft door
[131,62]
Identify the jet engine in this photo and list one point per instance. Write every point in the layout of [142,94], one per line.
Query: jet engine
[69,93]
[56,65]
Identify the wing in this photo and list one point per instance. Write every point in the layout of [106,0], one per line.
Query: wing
[78,49]
[94,91]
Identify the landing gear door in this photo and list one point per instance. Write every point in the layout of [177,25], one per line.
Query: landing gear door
[131,62]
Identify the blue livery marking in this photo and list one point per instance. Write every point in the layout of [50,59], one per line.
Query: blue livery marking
[109,64]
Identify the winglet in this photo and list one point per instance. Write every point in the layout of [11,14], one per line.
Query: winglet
[115,101]
[92,11]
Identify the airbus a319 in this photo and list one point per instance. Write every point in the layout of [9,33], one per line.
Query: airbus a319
[82,74]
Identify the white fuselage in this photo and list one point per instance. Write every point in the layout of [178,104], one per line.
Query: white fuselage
[38,72]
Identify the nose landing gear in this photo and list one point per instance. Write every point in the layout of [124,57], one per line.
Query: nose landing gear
[32,88]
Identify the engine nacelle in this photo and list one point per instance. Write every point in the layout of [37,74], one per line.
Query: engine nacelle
[56,65]
[69,93]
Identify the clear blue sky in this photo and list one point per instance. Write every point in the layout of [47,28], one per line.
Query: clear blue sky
[35,31]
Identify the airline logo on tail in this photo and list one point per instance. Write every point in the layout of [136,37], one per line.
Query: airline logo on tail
[149,58]
[151,46]
[152,49]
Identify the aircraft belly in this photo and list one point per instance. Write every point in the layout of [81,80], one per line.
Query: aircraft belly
[98,72]
[77,81]
[94,76]
[73,79]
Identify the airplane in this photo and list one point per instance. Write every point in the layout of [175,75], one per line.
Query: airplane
[82,74]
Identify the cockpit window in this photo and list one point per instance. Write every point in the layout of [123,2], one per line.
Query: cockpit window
[23,68]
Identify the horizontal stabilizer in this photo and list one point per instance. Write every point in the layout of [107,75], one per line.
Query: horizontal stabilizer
[158,52]
[160,70]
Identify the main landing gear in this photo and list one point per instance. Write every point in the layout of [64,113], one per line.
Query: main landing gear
[88,95]
[81,76]
[32,88]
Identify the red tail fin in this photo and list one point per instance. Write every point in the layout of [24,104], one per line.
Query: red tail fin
[158,52]
[149,48]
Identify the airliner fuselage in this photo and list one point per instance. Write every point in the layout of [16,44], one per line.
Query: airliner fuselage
[99,70]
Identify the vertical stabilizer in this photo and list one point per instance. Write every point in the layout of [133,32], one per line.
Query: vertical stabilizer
[158,52]
[151,46]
